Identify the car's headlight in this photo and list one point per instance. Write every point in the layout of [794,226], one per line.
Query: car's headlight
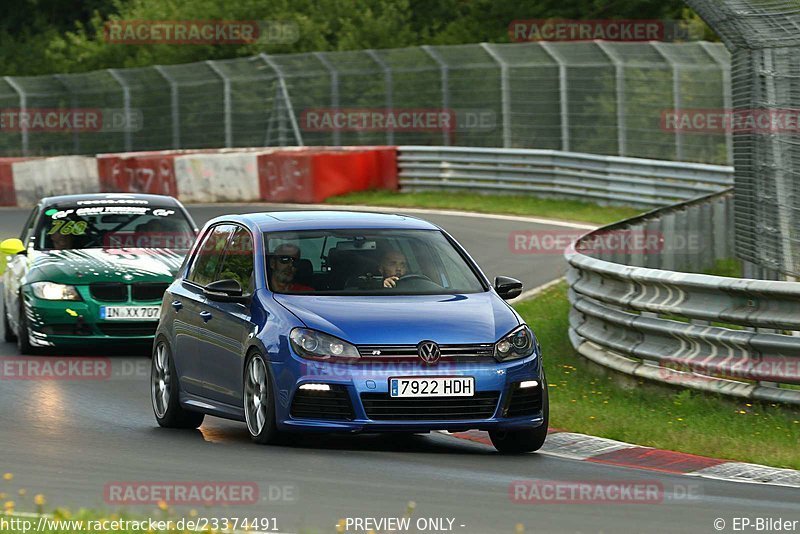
[53,291]
[520,343]
[318,346]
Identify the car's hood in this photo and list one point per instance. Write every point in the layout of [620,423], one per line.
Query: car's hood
[403,320]
[84,266]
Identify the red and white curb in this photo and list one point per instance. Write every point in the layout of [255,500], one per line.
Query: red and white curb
[585,448]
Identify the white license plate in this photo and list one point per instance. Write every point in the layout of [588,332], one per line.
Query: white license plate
[459,386]
[129,312]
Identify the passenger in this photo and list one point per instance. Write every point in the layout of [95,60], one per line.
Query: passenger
[393,266]
[283,268]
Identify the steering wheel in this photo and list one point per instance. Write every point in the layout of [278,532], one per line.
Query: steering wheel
[413,277]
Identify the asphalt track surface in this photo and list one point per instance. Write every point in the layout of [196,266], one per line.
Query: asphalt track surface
[70,439]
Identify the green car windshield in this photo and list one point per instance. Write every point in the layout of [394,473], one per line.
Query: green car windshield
[85,224]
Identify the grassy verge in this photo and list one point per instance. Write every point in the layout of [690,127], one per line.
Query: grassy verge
[586,399]
[526,205]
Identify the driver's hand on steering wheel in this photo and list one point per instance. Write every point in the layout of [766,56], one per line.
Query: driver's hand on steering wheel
[390,281]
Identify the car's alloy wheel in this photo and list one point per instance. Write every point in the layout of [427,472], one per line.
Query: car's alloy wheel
[164,392]
[259,408]
[529,440]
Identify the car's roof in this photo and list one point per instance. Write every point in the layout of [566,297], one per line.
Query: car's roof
[111,198]
[279,221]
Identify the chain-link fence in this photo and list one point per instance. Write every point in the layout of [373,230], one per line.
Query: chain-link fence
[764,39]
[599,97]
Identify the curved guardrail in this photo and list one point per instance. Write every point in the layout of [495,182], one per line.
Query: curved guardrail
[613,179]
[735,336]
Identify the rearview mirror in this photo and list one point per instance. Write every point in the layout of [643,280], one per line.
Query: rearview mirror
[507,288]
[12,246]
[227,290]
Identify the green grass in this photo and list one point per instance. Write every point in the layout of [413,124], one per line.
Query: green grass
[531,206]
[584,398]
[730,267]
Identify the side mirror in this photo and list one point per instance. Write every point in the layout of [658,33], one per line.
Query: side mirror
[227,290]
[12,246]
[507,288]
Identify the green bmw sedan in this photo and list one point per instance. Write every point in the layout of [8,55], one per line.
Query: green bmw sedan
[91,269]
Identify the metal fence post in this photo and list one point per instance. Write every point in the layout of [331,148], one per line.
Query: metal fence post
[23,108]
[126,104]
[727,98]
[505,93]
[337,134]
[445,75]
[73,104]
[619,71]
[285,93]
[175,109]
[226,102]
[388,83]
[676,95]
[562,89]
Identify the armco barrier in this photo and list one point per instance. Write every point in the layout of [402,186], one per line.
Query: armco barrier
[61,175]
[727,335]
[291,174]
[637,182]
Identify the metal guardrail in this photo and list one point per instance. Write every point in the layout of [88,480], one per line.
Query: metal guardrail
[734,336]
[606,179]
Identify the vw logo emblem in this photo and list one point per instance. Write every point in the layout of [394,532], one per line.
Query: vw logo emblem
[429,352]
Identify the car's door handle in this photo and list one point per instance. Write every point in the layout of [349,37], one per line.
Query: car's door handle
[206,316]
[177,305]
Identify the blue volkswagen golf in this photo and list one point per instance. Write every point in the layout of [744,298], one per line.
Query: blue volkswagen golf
[344,322]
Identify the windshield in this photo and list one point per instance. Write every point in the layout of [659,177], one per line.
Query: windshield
[80,226]
[367,262]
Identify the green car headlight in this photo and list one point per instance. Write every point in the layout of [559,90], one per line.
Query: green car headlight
[53,291]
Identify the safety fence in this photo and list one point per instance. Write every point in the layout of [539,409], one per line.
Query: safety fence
[634,311]
[598,97]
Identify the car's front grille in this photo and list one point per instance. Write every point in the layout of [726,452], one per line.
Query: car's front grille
[452,353]
[527,401]
[311,404]
[148,290]
[109,291]
[382,407]
[130,328]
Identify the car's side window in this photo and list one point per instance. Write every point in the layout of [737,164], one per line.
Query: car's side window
[238,261]
[30,224]
[209,254]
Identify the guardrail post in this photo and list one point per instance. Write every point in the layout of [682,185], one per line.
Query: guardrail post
[23,108]
[619,71]
[505,93]
[727,98]
[445,80]
[676,95]
[388,85]
[666,256]
[73,103]
[126,104]
[562,89]
[174,105]
[334,74]
[226,99]
[285,93]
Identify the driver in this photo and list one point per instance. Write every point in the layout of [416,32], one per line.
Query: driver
[393,266]
[62,241]
[283,268]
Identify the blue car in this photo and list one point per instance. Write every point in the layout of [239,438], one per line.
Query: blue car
[344,322]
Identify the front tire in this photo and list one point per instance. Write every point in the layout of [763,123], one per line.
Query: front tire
[164,392]
[259,401]
[521,441]
[8,333]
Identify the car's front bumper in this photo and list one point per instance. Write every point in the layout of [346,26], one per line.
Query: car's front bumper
[361,383]
[70,324]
